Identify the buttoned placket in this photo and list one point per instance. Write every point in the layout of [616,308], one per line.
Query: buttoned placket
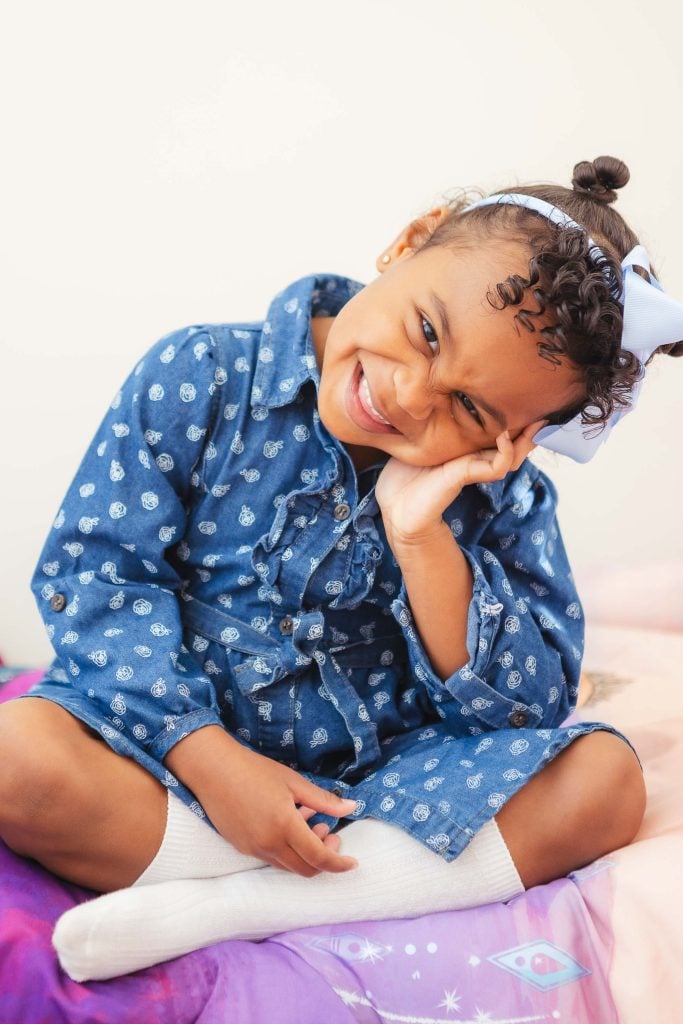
[268,677]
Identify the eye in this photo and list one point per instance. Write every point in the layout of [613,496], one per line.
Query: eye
[467,403]
[432,340]
[429,334]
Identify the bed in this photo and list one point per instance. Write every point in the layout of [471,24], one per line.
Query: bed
[603,945]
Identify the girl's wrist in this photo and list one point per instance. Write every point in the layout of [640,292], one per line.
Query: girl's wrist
[193,759]
[410,544]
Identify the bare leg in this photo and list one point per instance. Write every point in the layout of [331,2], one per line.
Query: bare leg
[589,801]
[68,801]
[97,819]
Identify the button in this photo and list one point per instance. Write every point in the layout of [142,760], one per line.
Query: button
[342,511]
[336,791]
[518,719]
[287,625]
[58,602]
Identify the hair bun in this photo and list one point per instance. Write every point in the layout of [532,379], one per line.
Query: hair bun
[599,178]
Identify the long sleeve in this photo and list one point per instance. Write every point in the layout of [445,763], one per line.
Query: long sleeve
[107,591]
[524,622]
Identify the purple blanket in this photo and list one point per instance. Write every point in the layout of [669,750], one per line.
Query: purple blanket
[542,957]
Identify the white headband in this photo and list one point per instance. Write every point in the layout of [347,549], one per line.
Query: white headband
[651,319]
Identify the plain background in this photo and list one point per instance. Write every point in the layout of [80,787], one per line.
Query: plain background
[168,163]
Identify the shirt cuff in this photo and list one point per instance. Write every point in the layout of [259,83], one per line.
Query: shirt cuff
[483,623]
[176,728]
[477,700]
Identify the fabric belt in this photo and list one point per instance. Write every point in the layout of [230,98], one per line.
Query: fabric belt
[269,661]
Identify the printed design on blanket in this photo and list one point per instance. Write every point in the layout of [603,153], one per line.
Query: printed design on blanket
[542,964]
[534,959]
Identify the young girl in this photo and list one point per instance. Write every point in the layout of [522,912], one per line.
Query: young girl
[316,632]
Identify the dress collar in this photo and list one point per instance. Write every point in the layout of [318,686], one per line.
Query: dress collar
[286,358]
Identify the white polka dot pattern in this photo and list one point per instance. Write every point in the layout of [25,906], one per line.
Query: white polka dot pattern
[198,574]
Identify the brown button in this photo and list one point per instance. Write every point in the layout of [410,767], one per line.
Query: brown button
[342,511]
[518,719]
[336,791]
[287,625]
[58,602]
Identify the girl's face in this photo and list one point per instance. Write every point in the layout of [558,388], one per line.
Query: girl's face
[419,364]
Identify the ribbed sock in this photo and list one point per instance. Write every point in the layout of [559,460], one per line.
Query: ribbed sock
[192,849]
[396,877]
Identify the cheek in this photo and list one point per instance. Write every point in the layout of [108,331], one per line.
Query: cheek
[452,442]
[468,432]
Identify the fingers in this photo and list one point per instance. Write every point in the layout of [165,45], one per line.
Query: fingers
[318,855]
[524,444]
[330,840]
[288,860]
[321,829]
[315,798]
[527,435]
[493,463]
[506,455]
[518,449]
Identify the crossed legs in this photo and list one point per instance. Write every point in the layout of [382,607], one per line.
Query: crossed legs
[72,804]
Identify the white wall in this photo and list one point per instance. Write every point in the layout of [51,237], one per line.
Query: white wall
[167,163]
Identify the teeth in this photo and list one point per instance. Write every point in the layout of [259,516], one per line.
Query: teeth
[368,401]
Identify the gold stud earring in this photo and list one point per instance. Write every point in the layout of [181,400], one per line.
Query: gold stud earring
[386,258]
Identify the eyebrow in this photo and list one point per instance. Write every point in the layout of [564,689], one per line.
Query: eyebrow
[446,331]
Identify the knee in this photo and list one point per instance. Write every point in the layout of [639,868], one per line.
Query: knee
[588,802]
[613,794]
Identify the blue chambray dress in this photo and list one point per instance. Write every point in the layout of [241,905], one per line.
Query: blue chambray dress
[218,561]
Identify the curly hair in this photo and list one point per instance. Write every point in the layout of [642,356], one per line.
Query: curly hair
[566,280]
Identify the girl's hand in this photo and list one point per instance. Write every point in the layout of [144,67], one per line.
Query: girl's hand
[258,814]
[252,800]
[413,498]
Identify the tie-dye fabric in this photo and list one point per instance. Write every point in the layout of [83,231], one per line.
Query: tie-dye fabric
[217,560]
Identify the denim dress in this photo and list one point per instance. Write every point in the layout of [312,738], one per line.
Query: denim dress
[218,561]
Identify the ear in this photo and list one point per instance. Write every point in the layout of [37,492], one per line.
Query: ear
[412,237]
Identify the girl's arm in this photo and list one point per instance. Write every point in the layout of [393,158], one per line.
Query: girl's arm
[109,585]
[436,575]
[438,580]
[494,628]
[105,584]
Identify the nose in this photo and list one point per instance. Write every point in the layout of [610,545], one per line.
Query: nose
[413,393]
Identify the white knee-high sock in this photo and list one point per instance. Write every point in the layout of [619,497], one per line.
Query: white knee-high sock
[191,849]
[396,877]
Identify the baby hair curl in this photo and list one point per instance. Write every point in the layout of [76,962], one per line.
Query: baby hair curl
[565,280]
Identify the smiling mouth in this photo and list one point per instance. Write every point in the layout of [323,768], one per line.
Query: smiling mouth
[361,409]
[366,401]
